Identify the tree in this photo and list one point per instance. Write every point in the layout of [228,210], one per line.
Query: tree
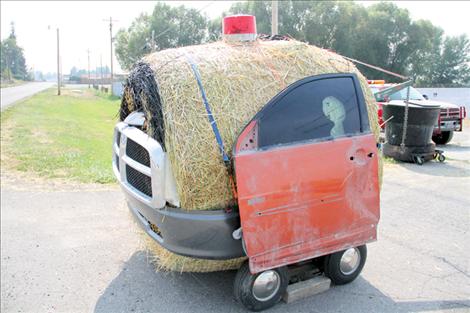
[13,63]
[381,34]
[384,39]
[260,9]
[214,29]
[166,27]
[428,38]
[450,64]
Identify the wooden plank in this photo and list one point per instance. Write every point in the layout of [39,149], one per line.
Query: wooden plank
[306,288]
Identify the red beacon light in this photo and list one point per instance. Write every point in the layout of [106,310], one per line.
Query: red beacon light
[239,28]
[376,81]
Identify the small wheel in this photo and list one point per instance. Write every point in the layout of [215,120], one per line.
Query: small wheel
[262,290]
[344,266]
[418,160]
[441,157]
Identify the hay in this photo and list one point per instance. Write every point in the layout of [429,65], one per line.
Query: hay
[165,260]
[239,80]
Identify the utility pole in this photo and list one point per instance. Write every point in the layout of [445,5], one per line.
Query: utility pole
[88,51]
[58,64]
[274,18]
[111,43]
[8,67]
[101,67]
[111,39]
[153,48]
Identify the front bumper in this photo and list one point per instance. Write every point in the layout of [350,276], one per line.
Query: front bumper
[197,234]
[452,125]
[145,176]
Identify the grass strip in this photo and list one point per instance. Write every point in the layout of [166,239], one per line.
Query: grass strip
[67,136]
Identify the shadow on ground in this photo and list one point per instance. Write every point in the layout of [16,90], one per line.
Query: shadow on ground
[453,147]
[138,288]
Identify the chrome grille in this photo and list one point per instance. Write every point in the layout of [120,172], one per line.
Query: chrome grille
[116,160]
[137,152]
[450,114]
[139,181]
[141,167]
[118,138]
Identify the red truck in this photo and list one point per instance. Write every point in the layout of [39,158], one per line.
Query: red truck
[450,119]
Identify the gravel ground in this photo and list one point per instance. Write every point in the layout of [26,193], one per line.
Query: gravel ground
[73,248]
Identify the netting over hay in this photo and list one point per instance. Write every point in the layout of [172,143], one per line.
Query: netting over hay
[239,79]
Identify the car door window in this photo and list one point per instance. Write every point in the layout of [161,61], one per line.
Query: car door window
[317,109]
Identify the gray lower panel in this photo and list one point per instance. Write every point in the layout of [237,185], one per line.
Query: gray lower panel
[197,234]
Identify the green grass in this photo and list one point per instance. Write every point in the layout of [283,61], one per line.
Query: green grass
[12,83]
[66,136]
[389,160]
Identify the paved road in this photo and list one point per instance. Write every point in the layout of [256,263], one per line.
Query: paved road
[69,248]
[10,95]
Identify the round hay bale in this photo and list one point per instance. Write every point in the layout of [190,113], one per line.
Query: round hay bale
[239,79]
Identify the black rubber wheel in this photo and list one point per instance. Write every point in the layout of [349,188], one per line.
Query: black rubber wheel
[337,273]
[441,157]
[443,138]
[245,294]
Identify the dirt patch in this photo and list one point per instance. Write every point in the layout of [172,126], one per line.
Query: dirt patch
[41,136]
[79,93]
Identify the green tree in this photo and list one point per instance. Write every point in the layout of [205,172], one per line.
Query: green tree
[131,44]
[214,29]
[449,65]
[13,63]
[384,39]
[327,24]
[427,39]
[260,9]
[166,27]
[381,34]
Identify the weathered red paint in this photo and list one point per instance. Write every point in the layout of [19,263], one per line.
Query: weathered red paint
[306,200]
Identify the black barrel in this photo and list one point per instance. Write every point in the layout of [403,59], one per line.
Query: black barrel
[421,121]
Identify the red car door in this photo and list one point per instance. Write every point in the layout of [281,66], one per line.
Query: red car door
[307,173]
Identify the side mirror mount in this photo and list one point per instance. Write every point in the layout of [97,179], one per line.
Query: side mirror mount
[426,97]
[386,98]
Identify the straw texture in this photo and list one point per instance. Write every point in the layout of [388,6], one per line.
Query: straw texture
[165,260]
[239,79]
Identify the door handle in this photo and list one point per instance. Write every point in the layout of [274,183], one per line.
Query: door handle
[371,154]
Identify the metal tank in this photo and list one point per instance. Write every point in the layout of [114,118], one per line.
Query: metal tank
[418,146]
